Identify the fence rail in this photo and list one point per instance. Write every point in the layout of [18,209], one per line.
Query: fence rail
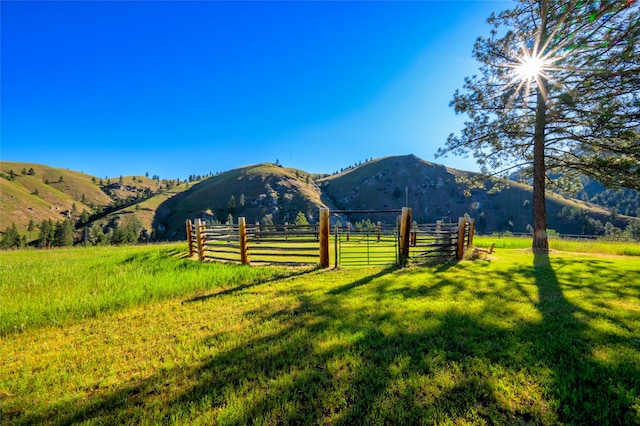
[309,244]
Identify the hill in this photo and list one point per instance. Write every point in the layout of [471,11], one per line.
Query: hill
[268,193]
[38,192]
[262,193]
[434,194]
[624,201]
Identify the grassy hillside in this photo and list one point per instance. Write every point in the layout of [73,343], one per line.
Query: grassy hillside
[148,210]
[262,191]
[149,337]
[45,194]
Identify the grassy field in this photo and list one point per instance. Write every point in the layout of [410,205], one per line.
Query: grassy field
[512,339]
[39,287]
[576,246]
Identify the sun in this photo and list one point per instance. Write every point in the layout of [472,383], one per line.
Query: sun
[528,70]
[530,67]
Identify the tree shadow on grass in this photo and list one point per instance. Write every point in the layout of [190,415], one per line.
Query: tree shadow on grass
[588,390]
[362,281]
[242,287]
[346,356]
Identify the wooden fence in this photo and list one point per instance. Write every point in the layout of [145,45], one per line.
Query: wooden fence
[255,244]
[442,239]
[309,244]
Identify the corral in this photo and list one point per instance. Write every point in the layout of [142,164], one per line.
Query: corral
[400,243]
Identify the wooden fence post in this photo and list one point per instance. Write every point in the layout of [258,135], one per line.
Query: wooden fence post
[335,247]
[472,227]
[405,231]
[379,229]
[190,237]
[462,224]
[348,230]
[200,239]
[324,238]
[242,234]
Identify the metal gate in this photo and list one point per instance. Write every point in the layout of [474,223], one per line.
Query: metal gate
[373,245]
[367,247]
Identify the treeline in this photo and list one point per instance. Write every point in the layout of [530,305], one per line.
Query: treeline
[51,234]
[342,169]
[62,233]
[125,230]
[591,226]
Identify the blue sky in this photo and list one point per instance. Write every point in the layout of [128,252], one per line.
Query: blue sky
[181,88]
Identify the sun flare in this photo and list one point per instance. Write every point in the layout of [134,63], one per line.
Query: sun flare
[529,68]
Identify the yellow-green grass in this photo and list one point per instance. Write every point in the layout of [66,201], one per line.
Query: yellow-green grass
[577,246]
[39,287]
[513,340]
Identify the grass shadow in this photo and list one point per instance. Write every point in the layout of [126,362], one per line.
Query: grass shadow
[294,274]
[362,281]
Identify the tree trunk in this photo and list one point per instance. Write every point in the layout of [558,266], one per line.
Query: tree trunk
[540,242]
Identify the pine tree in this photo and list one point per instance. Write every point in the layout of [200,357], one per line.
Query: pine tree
[301,219]
[84,216]
[31,227]
[63,233]
[557,94]
[11,238]
[47,232]
[232,204]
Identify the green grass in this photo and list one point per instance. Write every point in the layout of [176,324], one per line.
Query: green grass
[577,246]
[510,340]
[54,287]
